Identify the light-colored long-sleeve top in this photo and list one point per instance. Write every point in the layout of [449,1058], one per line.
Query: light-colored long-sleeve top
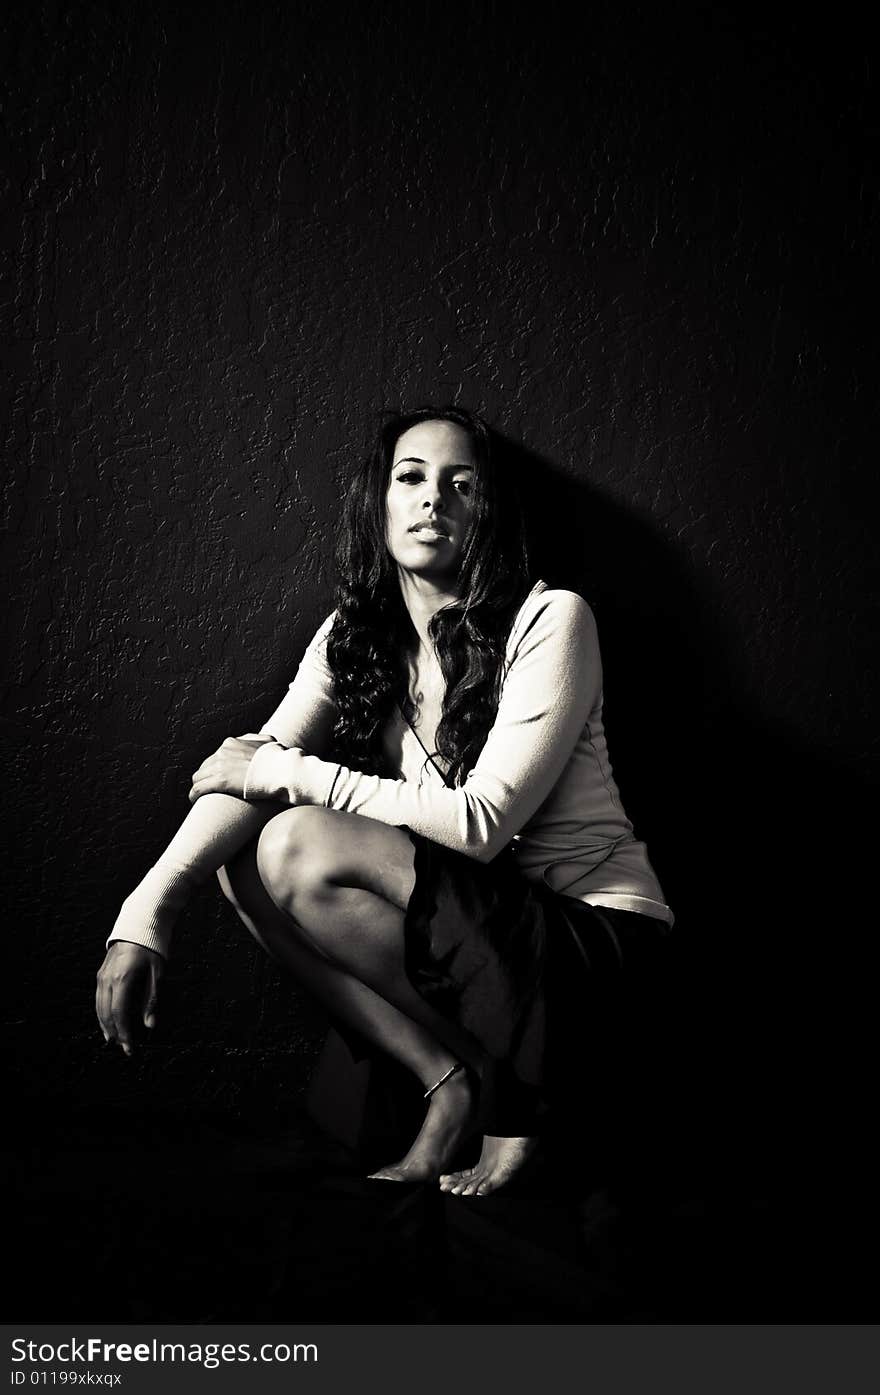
[543,781]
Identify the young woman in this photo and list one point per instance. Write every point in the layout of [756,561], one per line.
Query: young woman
[427,831]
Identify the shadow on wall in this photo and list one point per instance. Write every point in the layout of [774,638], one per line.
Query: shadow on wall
[740,818]
[753,836]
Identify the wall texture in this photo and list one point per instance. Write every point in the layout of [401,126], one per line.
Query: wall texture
[641,245]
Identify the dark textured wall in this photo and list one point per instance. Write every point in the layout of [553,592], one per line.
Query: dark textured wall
[640,244]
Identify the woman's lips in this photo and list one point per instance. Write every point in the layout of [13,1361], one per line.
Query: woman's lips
[426,532]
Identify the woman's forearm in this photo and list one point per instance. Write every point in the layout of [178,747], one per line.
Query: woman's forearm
[219,824]
[216,828]
[204,842]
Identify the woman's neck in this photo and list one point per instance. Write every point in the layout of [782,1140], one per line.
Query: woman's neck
[423,597]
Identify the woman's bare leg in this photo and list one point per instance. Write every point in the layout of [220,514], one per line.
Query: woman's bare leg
[423,1041]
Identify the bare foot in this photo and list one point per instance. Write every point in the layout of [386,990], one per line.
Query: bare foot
[500,1161]
[449,1113]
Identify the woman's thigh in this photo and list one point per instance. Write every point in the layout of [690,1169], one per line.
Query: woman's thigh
[308,848]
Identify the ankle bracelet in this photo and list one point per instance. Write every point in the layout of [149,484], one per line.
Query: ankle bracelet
[453,1070]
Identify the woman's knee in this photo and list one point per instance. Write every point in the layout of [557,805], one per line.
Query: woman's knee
[294,856]
[306,855]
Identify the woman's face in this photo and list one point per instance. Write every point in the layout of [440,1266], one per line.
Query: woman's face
[430,498]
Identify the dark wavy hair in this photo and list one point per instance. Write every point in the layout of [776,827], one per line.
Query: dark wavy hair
[372,634]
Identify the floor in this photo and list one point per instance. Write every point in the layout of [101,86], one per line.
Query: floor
[204,1219]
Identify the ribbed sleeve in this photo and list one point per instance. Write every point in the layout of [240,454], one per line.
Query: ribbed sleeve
[147,916]
[306,713]
[216,827]
[219,825]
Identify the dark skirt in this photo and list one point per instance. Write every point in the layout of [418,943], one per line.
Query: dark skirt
[534,977]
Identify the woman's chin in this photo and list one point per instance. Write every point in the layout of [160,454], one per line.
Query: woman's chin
[440,571]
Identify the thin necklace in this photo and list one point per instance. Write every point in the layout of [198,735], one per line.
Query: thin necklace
[428,755]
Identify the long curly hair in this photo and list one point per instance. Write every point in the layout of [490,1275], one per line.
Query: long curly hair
[372,635]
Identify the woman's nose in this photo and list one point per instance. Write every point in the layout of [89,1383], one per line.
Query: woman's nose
[433,495]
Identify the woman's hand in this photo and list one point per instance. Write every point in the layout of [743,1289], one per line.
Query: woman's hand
[128,983]
[225,771]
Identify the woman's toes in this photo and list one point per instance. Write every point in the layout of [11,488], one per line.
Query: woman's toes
[449,1180]
[465,1184]
[392,1172]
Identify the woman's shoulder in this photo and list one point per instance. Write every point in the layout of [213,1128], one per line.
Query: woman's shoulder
[319,638]
[551,611]
[314,656]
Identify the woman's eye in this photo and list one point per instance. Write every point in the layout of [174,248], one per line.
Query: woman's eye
[463,486]
[408,477]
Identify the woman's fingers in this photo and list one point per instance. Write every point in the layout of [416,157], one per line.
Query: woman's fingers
[207,768]
[128,984]
[212,784]
[120,1016]
[117,1022]
[209,778]
[151,998]
[102,1005]
[224,772]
